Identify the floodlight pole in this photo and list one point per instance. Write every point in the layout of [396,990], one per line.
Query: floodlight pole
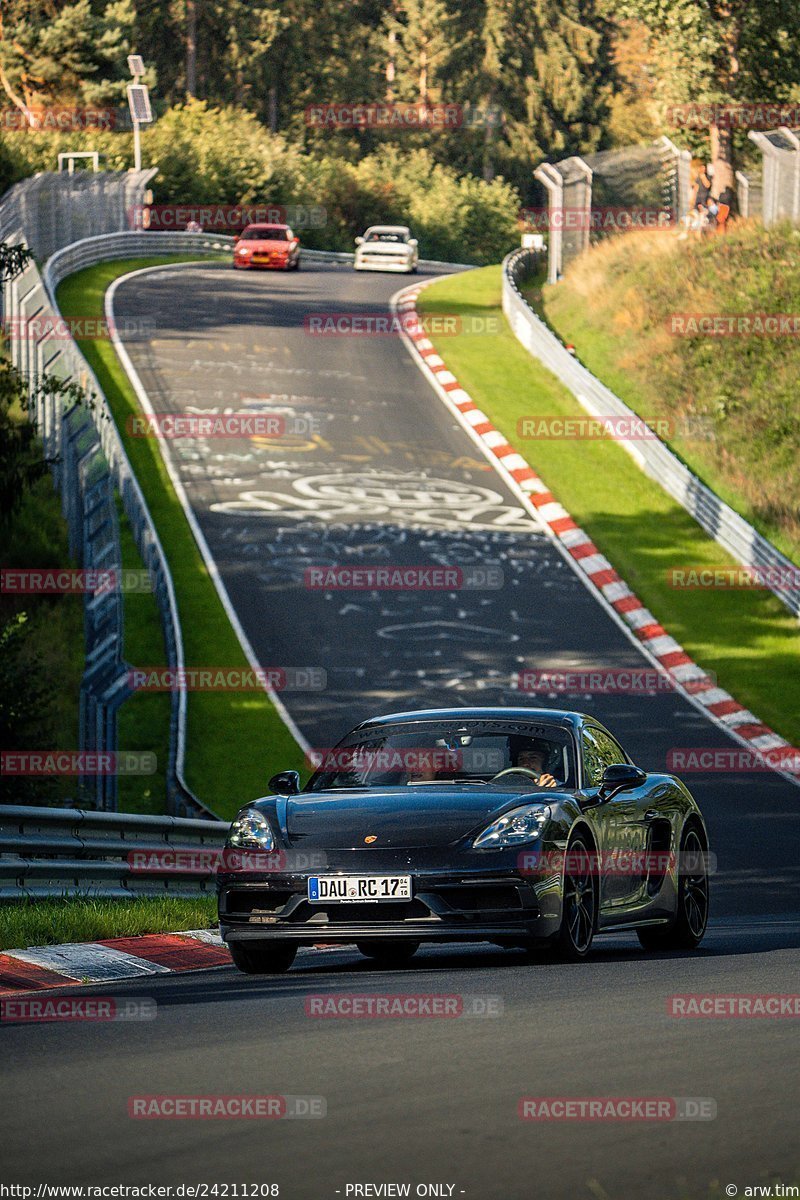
[137,137]
[137,146]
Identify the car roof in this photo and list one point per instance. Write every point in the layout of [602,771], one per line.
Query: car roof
[265,225]
[551,716]
[388,229]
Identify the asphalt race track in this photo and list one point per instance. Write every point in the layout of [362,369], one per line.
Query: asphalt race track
[390,478]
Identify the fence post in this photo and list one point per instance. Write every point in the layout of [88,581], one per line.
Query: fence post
[549,176]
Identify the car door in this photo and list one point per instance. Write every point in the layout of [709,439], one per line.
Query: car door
[622,821]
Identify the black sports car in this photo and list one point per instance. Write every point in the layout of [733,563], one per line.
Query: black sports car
[523,827]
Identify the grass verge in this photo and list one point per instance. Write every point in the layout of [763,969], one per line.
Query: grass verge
[730,400]
[747,638]
[234,741]
[51,922]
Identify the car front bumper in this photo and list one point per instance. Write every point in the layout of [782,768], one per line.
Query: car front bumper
[402,267]
[447,905]
[274,264]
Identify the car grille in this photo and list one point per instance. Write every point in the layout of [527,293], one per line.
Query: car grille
[477,898]
[245,902]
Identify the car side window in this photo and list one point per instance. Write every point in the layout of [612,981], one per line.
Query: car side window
[593,764]
[600,750]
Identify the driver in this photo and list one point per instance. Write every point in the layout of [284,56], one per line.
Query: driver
[533,756]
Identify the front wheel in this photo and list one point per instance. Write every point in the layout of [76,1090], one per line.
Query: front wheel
[579,905]
[389,954]
[691,916]
[262,958]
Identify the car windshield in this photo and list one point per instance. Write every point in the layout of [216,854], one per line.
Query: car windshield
[385,235]
[415,754]
[265,233]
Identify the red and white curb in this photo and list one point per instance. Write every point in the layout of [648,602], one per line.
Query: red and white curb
[43,967]
[653,640]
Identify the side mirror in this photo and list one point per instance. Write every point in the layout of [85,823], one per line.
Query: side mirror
[413,242]
[285,783]
[621,777]
[237,237]
[359,241]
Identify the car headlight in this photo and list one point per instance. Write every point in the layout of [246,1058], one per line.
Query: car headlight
[243,250]
[251,830]
[515,827]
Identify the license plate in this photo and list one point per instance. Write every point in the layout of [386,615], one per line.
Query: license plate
[328,889]
[262,258]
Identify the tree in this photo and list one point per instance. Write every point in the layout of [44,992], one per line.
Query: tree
[721,52]
[424,39]
[546,65]
[21,462]
[53,52]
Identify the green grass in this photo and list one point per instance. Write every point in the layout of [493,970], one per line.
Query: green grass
[747,638]
[52,922]
[615,305]
[234,741]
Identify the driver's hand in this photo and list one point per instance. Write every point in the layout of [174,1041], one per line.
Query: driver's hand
[547,781]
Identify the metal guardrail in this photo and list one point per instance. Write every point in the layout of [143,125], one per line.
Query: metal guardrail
[730,530]
[91,463]
[72,852]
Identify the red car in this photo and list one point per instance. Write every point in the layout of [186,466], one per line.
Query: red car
[267,246]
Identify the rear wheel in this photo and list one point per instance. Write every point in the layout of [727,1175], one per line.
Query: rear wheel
[262,958]
[687,930]
[579,907]
[389,954]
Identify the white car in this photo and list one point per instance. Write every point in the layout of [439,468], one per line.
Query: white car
[387,248]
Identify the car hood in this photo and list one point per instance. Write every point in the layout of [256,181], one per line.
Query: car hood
[399,818]
[266,245]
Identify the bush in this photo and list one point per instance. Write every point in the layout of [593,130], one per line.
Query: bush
[225,156]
